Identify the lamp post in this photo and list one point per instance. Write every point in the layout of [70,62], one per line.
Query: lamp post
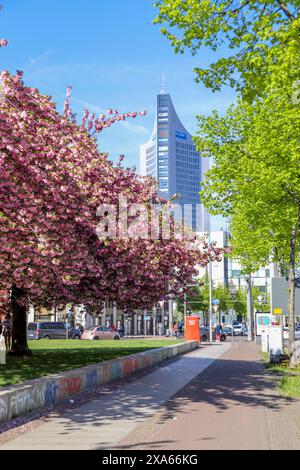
[162,307]
[154,321]
[210,301]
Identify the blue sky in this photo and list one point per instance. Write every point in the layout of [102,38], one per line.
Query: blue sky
[112,55]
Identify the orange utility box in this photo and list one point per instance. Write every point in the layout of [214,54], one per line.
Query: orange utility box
[192,329]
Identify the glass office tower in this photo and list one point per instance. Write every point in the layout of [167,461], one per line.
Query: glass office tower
[170,156]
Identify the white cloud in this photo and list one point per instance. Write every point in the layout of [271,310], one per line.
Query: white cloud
[36,60]
[135,128]
[90,106]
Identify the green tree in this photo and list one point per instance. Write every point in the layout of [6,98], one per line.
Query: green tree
[255,32]
[197,299]
[238,302]
[255,179]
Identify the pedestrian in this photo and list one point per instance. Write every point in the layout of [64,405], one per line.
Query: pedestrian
[79,327]
[113,327]
[174,330]
[7,330]
[122,330]
[218,333]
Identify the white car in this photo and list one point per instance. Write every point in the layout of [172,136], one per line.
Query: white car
[286,333]
[237,330]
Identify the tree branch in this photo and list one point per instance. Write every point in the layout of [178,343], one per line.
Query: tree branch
[285,10]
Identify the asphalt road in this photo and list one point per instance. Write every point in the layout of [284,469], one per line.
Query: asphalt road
[233,404]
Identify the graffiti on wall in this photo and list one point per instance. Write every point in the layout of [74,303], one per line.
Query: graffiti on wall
[51,393]
[91,378]
[105,372]
[3,409]
[26,400]
[70,386]
[127,366]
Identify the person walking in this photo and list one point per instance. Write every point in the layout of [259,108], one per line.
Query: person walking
[218,333]
[7,330]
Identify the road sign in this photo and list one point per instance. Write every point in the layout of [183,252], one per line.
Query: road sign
[215,307]
[215,301]
[260,299]
[277,311]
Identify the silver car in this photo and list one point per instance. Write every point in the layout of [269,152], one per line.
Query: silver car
[204,334]
[51,330]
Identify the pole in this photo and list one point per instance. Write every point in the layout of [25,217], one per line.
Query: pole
[210,301]
[170,315]
[249,307]
[154,321]
[145,322]
[231,322]
[184,307]
[66,322]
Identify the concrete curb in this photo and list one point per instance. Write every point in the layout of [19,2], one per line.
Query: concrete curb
[17,400]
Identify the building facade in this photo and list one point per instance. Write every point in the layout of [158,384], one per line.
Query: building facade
[170,156]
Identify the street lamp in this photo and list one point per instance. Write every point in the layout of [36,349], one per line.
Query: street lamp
[162,308]
[154,321]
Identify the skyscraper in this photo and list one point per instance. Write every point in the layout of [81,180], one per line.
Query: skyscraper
[170,156]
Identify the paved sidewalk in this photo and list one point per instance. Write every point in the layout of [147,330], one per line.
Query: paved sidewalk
[232,405]
[102,423]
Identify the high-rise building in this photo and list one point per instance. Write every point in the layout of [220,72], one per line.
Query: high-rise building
[170,156]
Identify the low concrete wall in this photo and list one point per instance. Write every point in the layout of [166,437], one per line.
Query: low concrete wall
[19,399]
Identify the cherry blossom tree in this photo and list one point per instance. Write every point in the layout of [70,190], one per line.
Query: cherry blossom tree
[52,180]
[49,169]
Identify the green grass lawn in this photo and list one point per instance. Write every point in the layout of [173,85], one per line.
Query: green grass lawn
[288,379]
[52,356]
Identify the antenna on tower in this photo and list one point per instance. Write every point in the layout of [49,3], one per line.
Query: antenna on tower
[163,85]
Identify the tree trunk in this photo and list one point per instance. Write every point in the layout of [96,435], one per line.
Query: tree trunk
[19,325]
[249,307]
[291,295]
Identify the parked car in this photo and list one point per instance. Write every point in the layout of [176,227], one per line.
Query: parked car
[244,331]
[237,330]
[227,330]
[286,333]
[204,333]
[51,330]
[100,332]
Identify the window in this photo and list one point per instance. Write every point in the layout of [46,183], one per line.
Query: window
[151,149]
